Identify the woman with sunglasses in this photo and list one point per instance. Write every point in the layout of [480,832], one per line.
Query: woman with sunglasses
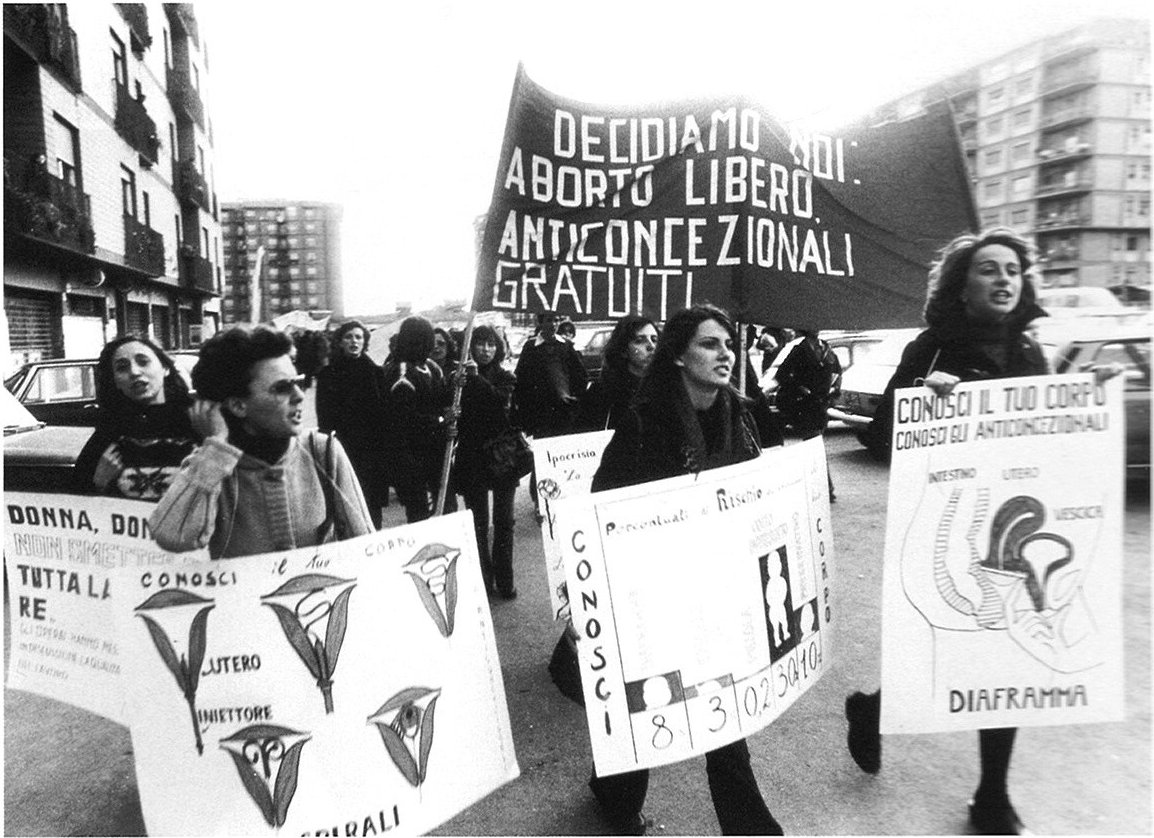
[257,484]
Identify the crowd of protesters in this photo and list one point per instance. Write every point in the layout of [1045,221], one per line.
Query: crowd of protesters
[235,470]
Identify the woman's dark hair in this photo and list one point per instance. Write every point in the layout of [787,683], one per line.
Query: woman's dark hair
[481,333]
[112,402]
[615,355]
[347,327]
[414,340]
[948,274]
[663,372]
[227,359]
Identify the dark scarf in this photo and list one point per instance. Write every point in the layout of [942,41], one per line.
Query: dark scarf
[999,341]
[721,420]
[266,448]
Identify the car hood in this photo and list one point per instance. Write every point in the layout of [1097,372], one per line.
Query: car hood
[49,445]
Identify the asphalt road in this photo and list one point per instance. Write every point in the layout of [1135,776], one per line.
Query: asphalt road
[68,772]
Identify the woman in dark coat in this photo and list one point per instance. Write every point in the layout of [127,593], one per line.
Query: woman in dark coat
[417,401]
[350,400]
[686,418]
[485,407]
[979,303]
[143,431]
[625,358]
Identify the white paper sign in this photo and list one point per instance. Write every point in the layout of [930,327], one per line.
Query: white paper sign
[60,552]
[1002,598]
[351,689]
[702,604]
[565,466]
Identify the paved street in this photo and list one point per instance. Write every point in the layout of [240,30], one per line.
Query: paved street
[68,772]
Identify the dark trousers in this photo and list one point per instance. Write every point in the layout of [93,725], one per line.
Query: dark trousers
[418,498]
[496,562]
[740,808]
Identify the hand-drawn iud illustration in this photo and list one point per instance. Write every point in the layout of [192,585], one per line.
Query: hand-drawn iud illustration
[267,758]
[405,723]
[315,625]
[185,667]
[434,573]
[1028,584]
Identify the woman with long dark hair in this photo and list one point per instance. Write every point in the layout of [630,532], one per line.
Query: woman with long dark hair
[625,358]
[417,398]
[485,407]
[686,418]
[350,400]
[143,430]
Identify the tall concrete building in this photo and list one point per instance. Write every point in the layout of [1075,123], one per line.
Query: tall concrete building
[110,212]
[301,265]
[1057,137]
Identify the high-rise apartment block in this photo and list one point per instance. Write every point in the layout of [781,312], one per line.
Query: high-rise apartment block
[1057,138]
[110,211]
[296,245]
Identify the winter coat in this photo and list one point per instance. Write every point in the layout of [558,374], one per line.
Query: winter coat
[663,436]
[958,350]
[541,409]
[414,438]
[606,401]
[485,406]
[239,505]
[152,440]
[350,401]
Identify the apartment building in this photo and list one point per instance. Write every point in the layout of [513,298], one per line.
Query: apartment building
[110,211]
[1057,138]
[295,246]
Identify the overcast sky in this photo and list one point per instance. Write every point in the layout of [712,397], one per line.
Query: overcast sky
[397,113]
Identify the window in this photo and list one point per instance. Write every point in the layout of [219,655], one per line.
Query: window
[994,96]
[167,52]
[176,226]
[1022,118]
[1024,86]
[172,141]
[310,241]
[119,60]
[993,190]
[200,160]
[993,158]
[67,151]
[1020,217]
[206,241]
[1021,152]
[146,205]
[1021,186]
[994,126]
[128,191]
[310,271]
[195,78]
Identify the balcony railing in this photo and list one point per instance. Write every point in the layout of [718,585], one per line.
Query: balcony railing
[46,35]
[135,125]
[183,96]
[191,186]
[136,16]
[196,271]
[143,247]
[1065,152]
[1080,184]
[1066,115]
[1067,220]
[1068,80]
[1066,254]
[183,19]
[47,208]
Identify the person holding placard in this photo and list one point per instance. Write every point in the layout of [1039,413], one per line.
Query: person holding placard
[978,306]
[255,486]
[143,429]
[685,418]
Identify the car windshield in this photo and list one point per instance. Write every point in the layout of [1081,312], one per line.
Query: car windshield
[887,351]
[13,381]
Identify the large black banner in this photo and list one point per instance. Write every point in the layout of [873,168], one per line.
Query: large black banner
[601,211]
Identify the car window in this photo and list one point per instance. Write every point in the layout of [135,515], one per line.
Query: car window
[63,383]
[1134,356]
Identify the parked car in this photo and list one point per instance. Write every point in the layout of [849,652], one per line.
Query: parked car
[875,356]
[38,457]
[62,391]
[593,350]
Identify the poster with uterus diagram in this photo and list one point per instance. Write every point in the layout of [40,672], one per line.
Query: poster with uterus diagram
[1002,588]
[348,689]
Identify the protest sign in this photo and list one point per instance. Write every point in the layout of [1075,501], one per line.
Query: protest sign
[60,553]
[702,604]
[1001,602]
[347,689]
[601,211]
[564,466]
